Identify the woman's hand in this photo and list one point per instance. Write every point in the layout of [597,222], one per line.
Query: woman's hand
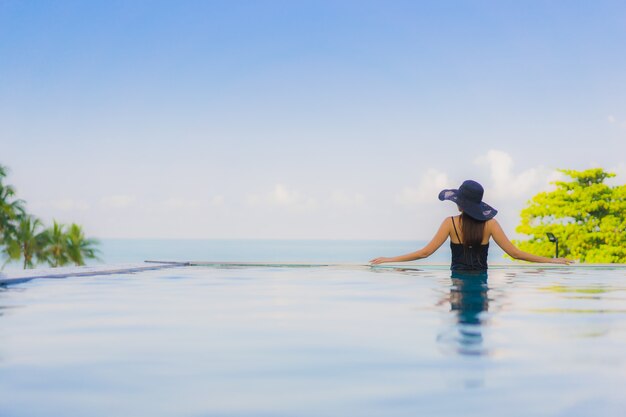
[381,260]
[562,261]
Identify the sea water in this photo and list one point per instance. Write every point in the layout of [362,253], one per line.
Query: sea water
[323,341]
[124,251]
[268,250]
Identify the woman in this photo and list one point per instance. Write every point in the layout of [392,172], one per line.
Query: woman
[469,234]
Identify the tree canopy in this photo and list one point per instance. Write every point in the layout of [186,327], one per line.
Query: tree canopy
[587,216]
[23,236]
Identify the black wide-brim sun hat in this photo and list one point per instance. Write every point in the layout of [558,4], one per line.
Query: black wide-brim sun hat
[469,198]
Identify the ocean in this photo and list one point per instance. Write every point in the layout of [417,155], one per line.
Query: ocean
[266,250]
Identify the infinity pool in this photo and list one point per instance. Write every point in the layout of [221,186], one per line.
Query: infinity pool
[324,341]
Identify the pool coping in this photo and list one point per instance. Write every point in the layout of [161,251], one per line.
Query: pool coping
[386,265]
[18,277]
[83,271]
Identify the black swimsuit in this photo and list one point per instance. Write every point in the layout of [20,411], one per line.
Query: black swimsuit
[467,259]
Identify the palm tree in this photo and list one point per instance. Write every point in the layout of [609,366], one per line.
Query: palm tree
[21,235]
[31,241]
[57,249]
[80,248]
[10,208]
[11,248]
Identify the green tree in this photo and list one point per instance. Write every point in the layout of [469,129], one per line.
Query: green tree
[23,236]
[10,208]
[32,241]
[79,247]
[585,214]
[10,248]
[57,249]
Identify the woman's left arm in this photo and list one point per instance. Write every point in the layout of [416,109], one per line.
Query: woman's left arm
[440,237]
[503,241]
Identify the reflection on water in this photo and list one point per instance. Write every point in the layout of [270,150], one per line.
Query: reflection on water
[468,300]
[316,342]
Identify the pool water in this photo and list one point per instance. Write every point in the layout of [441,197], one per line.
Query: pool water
[323,341]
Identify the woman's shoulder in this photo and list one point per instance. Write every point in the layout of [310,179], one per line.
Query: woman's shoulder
[452,223]
[489,224]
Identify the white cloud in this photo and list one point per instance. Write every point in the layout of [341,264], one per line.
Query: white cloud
[218,200]
[345,199]
[508,190]
[281,196]
[620,175]
[553,177]
[427,190]
[69,204]
[118,201]
[621,123]
[181,203]
[506,184]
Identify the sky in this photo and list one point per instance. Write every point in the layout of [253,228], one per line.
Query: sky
[302,119]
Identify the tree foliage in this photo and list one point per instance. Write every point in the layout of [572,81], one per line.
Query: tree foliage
[33,240]
[586,215]
[79,247]
[58,254]
[24,237]
[68,244]
[11,208]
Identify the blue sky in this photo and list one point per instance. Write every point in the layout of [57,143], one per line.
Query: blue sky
[302,119]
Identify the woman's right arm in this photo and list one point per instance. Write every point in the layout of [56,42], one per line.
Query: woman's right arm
[503,241]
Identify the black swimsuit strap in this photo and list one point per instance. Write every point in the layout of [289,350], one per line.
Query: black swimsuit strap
[457,233]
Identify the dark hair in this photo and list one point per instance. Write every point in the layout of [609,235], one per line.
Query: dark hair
[472,231]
